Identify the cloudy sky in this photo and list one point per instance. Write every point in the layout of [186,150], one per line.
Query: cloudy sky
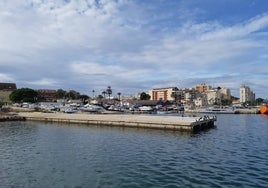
[134,45]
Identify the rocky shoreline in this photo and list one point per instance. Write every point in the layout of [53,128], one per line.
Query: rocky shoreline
[11,117]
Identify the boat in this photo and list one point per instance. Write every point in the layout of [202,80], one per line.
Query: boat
[145,108]
[91,108]
[161,112]
[212,110]
[70,110]
[264,109]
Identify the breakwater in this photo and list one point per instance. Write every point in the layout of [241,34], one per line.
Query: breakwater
[10,117]
[192,124]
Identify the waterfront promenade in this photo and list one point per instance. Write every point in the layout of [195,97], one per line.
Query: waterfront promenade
[192,124]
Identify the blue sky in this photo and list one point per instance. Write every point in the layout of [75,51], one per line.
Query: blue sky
[134,45]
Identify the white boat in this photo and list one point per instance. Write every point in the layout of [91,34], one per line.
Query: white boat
[145,108]
[70,110]
[160,112]
[213,110]
[91,108]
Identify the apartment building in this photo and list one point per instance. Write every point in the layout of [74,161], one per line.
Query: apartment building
[246,95]
[225,93]
[203,87]
[163,93]
[213,96]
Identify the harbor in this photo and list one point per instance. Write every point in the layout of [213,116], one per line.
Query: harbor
[176,123]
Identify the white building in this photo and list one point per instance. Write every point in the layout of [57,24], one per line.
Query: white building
[213,96]
[225,93]
[246,95]
[201,101]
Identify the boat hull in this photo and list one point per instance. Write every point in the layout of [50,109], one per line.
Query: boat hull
[218,111]
[264,109]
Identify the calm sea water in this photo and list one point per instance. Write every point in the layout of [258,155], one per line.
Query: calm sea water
[235,154]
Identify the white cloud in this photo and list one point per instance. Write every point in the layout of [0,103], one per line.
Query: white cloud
[44,82]
[205,43]
[6,77]
[73,42]
[109,71]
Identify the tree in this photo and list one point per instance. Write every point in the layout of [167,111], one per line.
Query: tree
[145,96]
[23,95]
[84,98]
[60,94]
[1,101]
[119,94]
[109,91]
[104,93]
[100,97]
[93,91]
[259,101]
[73,94]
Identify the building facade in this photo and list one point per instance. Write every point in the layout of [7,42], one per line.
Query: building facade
[5,90]
[246,95]
[201,101]
[225,93]
[202,88]
[163,93]
[47,95]
[213,96]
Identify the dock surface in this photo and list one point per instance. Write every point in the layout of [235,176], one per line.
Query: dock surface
[192,124]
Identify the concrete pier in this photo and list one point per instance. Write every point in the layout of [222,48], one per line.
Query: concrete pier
[192,124]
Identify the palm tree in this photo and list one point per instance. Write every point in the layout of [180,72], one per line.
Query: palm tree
[104,93]
[119,94]
[93,91]
[109,91]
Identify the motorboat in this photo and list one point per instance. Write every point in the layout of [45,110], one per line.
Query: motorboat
[145,108]
[91,108]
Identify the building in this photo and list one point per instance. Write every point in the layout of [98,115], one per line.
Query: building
[5,90]
[188,94]
[225,94]
[201,101]
[163,93]
[213,96]
[202,88]
[246,95]
[47,95]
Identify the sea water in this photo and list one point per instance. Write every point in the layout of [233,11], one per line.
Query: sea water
[38,154]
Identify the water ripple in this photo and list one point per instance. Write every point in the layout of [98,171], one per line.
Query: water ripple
[49,155]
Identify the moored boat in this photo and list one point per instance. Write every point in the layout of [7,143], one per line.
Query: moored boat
[70,110]
[264,109]
[91,108]
[145,108]
[213,110]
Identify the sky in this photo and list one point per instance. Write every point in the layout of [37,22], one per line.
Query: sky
[134,45]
